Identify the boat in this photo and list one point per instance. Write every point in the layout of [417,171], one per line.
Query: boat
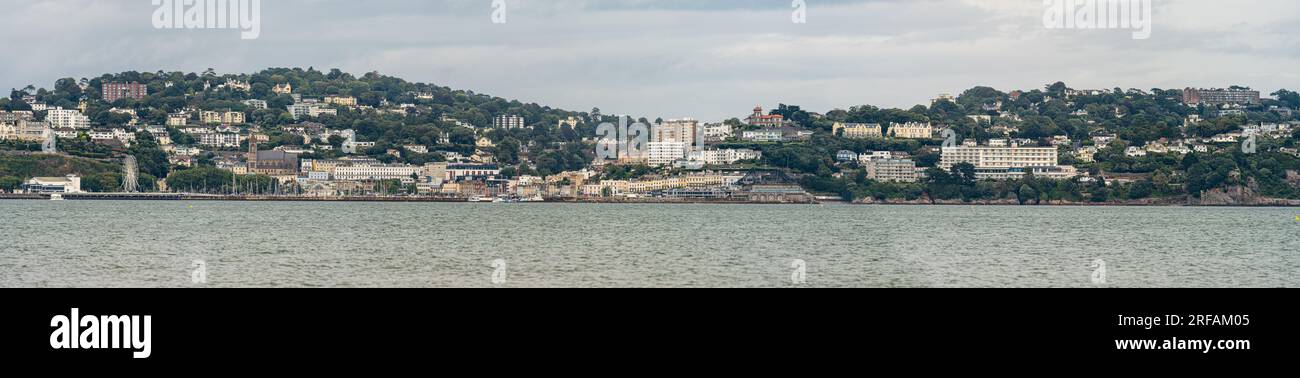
[56,197]
[536,198]
[475,199]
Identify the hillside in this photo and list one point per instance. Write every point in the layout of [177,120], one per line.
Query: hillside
[16,167]
[392,113]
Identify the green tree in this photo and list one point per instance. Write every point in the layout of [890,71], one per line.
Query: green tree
[10,183]
[1026,194]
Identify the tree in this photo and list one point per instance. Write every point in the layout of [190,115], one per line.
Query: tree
[1288,98]
[1141,189]
[10,183]
[1026,194]
[508,151]
[965,172]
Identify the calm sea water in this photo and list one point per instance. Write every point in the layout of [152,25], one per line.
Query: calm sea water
[153,244]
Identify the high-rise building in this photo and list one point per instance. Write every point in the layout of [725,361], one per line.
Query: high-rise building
[1220,96]
[664,153]
[676,130]
[505,121]
[67,118]
[116,91]
[891,170]
[998,157]
[1007,162]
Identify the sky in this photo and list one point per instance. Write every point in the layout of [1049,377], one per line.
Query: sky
[709,60]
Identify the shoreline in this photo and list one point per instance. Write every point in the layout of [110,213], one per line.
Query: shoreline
[1263,203]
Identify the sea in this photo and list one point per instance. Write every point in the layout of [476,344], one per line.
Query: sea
[180,244]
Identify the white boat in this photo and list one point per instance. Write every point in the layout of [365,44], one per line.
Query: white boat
[56,197]
[536,198]
[475,199]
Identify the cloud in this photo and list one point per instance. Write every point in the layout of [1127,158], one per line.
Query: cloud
[678,58]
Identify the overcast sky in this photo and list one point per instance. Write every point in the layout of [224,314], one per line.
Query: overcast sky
[676,58]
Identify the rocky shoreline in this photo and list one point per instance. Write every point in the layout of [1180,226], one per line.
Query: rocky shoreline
[1237,196]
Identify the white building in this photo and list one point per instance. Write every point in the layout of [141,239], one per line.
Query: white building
[717,132]
[453,171]
[676,130]
[255,104]
[354,147]
[1001,163]
[505,121]
[68,184]
[891,170]
[665,153]
[377,172]
[310,109]
[998,157]
[723,157]
[220,140]
[70,118]
[765,135]
[874,155]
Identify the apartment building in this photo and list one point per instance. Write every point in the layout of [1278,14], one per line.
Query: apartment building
[67,118]
[225,118]
[1009,162]
[664,153]
[911,130]
[24,130]
[505,121]
[858,130]
[341,100]
[1216,96]
[116,91]
[891,170]
[678,130]
[998,157]
[369,172]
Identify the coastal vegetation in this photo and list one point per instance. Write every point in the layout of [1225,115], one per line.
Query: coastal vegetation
[557,140]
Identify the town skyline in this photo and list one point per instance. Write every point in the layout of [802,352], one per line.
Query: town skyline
[577,54]
[295,133]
